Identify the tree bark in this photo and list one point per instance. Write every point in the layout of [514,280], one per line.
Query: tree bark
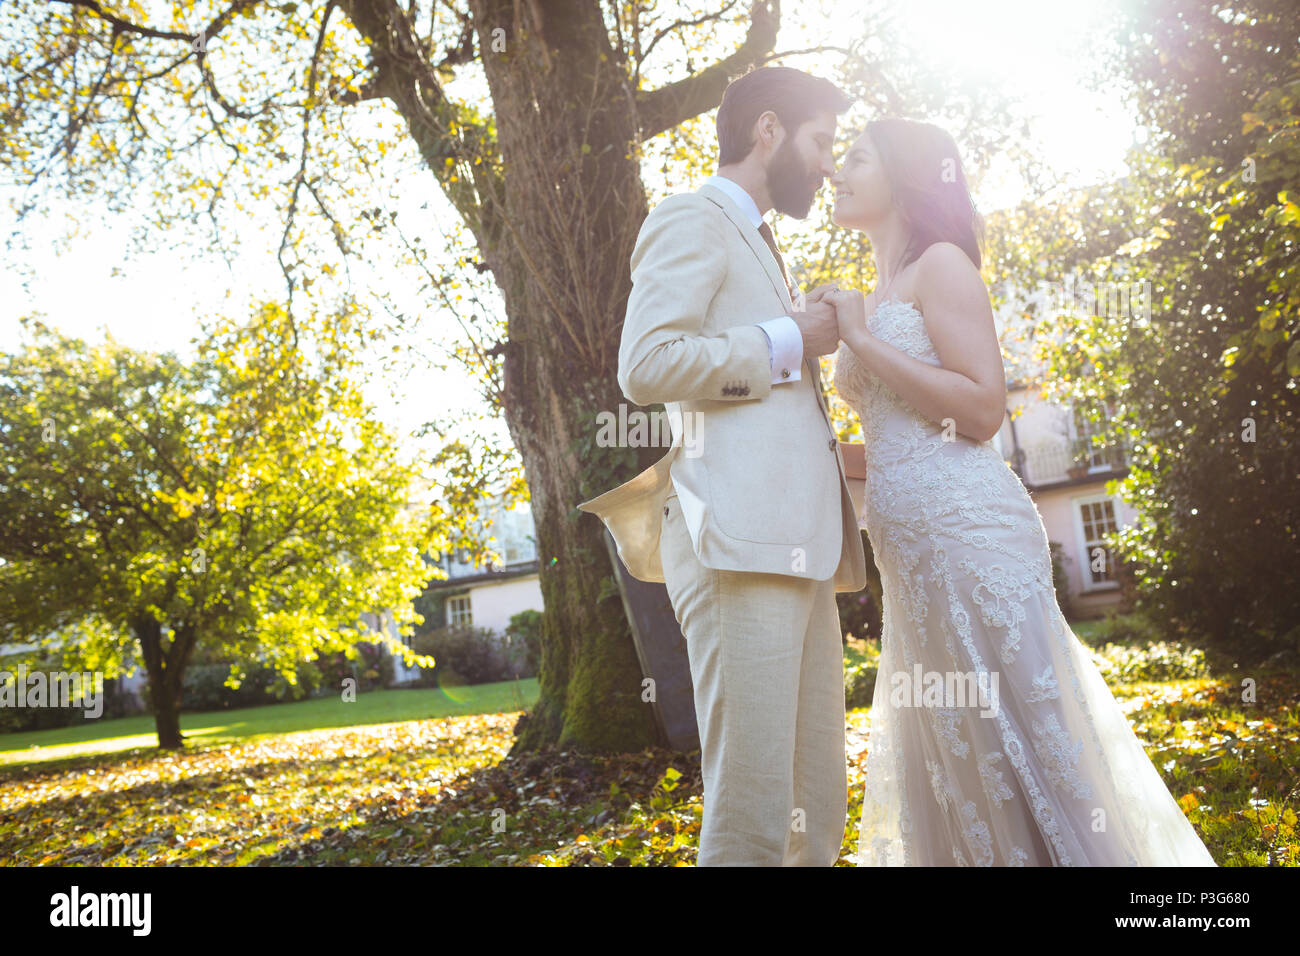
[165,669]
[573,203]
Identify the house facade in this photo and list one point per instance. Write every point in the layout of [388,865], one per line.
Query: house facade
[488,595]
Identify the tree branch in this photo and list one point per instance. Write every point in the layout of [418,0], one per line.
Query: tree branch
[448,143]
[677,102]
[679,24]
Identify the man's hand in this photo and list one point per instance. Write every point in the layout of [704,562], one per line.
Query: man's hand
[816,294]
[819,328]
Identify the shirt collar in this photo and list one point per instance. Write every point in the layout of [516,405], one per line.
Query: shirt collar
[739,196]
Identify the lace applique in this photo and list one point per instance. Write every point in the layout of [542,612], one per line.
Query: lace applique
[1011,745]
[946,720]
[1044,687]
[977,835]
[1018,857]
[1052,744]
[995,788]
[1001,598]
[939,783]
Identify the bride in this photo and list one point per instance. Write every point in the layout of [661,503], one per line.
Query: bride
[1050,774]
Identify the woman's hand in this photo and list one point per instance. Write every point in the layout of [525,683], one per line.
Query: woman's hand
[816,294]
[850,312]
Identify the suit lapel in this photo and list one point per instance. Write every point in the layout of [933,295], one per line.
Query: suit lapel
[752,238]
[768,262]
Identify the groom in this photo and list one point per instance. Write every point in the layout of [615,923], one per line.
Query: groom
[753,535]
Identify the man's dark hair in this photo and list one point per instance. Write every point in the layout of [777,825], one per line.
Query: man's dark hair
[794,96]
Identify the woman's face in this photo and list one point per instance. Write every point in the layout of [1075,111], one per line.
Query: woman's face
[863,195]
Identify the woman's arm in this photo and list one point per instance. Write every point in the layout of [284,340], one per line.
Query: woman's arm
[970,385]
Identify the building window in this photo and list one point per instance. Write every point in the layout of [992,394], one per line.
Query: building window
[1096,518]
[459,613]
[517,529]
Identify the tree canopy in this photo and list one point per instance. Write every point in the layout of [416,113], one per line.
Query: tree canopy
[246,500]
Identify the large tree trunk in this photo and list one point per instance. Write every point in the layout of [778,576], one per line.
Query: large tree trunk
[573,202]
[555,210]
[165,668]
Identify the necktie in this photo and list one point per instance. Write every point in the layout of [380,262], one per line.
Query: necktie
[765,231]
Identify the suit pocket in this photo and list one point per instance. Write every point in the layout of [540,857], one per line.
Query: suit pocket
[749,506]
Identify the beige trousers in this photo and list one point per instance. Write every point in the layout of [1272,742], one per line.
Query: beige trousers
[767,663]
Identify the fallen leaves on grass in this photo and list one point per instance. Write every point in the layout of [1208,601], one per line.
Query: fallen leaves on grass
[444,792]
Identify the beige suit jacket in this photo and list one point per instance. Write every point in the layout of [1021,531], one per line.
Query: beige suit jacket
[764,489]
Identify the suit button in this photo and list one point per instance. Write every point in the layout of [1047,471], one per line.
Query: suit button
[665,511]
[831,446]
[785,373]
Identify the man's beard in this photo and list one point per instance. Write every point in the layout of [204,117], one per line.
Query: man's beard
[789,183]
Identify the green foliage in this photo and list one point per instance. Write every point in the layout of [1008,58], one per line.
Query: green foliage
[1207,388]
[1129,648]
[1161,661]
[525,629]
[1133,630]
[114,703]
[470,655]
[246,502]
[859,614]
[861,662]
[206,688]
[1060,580]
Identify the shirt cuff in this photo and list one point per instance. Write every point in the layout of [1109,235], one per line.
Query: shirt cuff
[784,348]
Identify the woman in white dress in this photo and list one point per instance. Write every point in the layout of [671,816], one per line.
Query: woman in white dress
[993,740]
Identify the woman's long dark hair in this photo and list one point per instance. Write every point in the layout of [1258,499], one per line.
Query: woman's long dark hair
[925,171]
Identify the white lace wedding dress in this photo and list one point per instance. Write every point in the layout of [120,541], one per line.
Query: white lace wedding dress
[1055,778]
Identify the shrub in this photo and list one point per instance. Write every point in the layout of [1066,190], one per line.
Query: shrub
[205,686]
[1132,629]
[1059,579]
[470,655]
[1161,661]
[859,614]
[861,662]
[115,703]
[524,633]
[1129,647]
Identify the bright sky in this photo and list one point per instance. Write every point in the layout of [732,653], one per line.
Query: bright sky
[1040,50]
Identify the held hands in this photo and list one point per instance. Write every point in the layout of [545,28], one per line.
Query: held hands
[850,309]
[817,325]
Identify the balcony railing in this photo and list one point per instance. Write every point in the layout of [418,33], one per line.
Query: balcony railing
[1047,460]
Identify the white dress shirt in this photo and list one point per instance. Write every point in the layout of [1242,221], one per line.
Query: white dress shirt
[784,340]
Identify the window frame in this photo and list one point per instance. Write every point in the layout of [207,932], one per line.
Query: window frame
[1084,552]
[451,606]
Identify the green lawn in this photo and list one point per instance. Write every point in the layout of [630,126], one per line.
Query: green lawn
[1086,630]
[128,734]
